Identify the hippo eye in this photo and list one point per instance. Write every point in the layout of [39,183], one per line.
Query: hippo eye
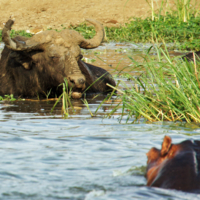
[171,154]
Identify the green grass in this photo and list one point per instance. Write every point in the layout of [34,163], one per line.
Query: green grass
[14,33]
[167,28]
[165,90]
[8,98]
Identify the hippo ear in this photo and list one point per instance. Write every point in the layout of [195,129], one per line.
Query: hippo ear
[166,145]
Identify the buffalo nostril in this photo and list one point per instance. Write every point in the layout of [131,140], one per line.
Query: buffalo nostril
[81,81]
[72,81]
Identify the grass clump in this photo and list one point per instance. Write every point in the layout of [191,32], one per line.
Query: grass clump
[66,100]
[164,90]
[14,33]
[7,98]
[86,31]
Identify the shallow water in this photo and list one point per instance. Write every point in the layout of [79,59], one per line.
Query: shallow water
[44,156]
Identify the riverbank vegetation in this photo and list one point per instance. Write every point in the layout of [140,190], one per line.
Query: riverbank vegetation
[180,26]
[7,98]
[166,89]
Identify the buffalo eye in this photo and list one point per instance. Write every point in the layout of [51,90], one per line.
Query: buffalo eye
[80,57]
[55,58]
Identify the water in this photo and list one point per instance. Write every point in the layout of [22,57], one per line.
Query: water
[46,157]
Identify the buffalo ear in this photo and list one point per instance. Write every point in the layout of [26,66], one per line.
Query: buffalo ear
[167,141]
[86,71]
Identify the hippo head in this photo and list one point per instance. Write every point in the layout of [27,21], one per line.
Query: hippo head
[175,166]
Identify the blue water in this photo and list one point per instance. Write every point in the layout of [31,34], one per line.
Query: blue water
[46,157]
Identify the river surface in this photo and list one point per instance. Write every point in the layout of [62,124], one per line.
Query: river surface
[47,157]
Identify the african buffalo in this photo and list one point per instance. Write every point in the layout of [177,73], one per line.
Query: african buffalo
[31,67]
[175,166]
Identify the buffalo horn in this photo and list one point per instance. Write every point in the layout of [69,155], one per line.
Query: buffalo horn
[96,40]
[15,44]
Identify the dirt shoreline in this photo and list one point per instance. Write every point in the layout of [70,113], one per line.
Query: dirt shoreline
[45,14]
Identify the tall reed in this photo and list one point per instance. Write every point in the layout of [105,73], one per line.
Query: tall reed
[184,9]
[166,89]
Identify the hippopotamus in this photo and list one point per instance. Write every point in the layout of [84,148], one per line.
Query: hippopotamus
[174,166]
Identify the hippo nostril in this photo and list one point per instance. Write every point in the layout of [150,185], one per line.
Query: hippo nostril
[81,81]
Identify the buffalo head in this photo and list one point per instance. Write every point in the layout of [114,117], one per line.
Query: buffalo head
[175,166]
[33,66]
